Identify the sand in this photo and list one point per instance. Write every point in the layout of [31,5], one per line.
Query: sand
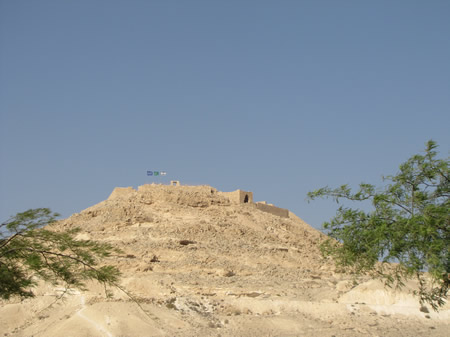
[199,265]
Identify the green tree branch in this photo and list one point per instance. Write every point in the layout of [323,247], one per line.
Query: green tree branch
[409,225]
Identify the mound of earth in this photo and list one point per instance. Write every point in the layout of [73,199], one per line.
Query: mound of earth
[198,264]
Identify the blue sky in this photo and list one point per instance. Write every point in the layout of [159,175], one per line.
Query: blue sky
[275,97]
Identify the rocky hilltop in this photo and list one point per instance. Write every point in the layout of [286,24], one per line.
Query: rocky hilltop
[200,263]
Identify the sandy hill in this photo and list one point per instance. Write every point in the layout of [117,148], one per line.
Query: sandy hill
[202,265]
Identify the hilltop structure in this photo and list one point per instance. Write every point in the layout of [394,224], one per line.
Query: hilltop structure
[239,196]
[243,197]
[235,197]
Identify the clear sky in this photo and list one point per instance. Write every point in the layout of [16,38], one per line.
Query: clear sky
[276,97]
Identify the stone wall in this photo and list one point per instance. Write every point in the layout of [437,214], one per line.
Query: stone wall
[272,209]
[121,192]
[239,196]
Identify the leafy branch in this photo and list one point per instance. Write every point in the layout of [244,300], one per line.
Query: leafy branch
[28,252]
[409,224]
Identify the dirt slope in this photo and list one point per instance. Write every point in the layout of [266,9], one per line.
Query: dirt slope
[200,265]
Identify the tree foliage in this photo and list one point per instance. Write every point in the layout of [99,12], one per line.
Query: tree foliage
[29,252]
[408,226]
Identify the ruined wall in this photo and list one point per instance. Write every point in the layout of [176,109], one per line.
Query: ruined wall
[239,196]
[121,192]
[192,196]
[196,196]
[272,209]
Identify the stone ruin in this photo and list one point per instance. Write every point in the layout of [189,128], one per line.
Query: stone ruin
[243,197]
[239,196]
[236,197]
